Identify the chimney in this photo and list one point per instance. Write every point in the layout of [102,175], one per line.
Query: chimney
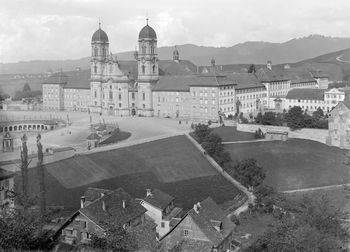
[148,192]
[269,64]
[82,201]
[124,204]
[196,207]
[103,205]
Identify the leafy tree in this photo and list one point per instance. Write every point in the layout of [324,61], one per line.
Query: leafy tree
[269,118]
[252,69]
[314,225]
[259,118]
[212,144]
[26,87]
[318,114]
[22,230]
[116,239]
[248,172]
[295,118]
[201,131]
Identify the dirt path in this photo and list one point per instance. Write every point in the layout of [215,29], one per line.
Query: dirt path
[340,60]
[315,188]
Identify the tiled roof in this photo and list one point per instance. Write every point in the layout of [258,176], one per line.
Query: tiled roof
[209,213]
[159,199]
[266,75]
[246,80]
[114,213]
[306,94]
[92,194]
[318,74]
[170,67]
[208,216]
[299,76]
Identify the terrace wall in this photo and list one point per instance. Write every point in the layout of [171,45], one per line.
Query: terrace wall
[318,135]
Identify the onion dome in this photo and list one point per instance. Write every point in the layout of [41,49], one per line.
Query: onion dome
[147,32]
[99,36]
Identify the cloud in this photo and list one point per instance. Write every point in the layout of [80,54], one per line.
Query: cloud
[62,29]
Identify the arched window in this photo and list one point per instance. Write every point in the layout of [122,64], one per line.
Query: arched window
[95,69]
[143,69]
[95,94]
[110,95]
[95,51]
[103,52]
[143,96]
[152,49]
[143,49]
[154,68]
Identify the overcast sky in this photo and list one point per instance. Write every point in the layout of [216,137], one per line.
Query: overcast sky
[62,29]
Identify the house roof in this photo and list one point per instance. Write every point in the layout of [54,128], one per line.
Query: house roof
[298,75]
[159,199]
[92,193]
[306,94]
[57,78]
[114,212]
[209,216]
[183,67]
[264,74]
[246,80]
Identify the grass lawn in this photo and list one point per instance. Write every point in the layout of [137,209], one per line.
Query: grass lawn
[171,159]
[338,197]
[296,163]
[230,134]
[173,165]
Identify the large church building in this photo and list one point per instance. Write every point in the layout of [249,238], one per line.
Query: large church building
[148,86]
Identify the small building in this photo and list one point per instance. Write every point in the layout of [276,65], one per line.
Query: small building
[102,208]
[7,142]
[339,125]
[93,140]
[276,135]
[160,208]
[205,228]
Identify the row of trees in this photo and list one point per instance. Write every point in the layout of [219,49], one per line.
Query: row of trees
[295,118]
[246,171]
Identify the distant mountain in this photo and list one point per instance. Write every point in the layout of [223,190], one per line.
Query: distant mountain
[256,52]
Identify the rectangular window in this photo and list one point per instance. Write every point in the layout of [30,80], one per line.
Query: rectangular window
[162,224]
[143,96]
[185,232]
[133,96]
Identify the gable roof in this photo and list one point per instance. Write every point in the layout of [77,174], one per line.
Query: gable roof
[208,216]
[93,136]
[159,199]
[306,94]
[183,67]
[114,214]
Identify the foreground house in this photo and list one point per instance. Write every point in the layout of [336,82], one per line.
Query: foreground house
[99,209]
[203,228]
[160,208]
[339,125]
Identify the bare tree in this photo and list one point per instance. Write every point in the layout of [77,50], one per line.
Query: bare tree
[41,176]
[24,169]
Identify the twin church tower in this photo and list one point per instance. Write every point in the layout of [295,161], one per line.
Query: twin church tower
[113,90]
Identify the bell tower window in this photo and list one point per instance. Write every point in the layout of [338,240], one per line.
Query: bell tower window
[143,69]
[95,51]
[154,68]
[103,52]
[95,69]
[152,50]
[143,49]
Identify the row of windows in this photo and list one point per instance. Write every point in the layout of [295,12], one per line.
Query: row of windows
[252,96]
[250,90]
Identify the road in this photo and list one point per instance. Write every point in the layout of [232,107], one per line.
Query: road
[340,60]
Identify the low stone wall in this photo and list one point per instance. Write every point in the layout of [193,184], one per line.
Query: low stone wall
[318,135]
